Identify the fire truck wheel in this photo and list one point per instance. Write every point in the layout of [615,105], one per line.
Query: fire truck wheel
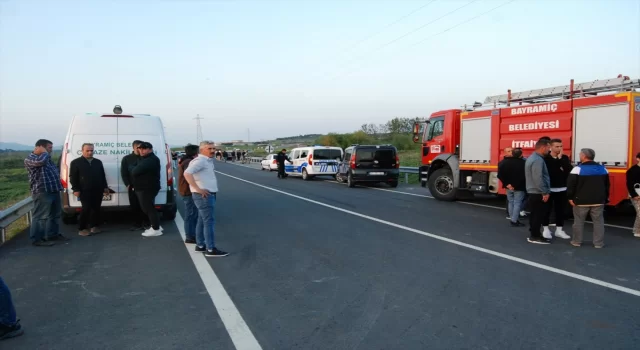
[441,185]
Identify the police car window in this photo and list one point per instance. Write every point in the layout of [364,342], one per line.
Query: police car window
[303,154]
[327,154]
[296,155]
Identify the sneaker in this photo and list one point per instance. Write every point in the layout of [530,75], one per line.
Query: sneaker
[7,332]
[508,217]
[215,253]
[190,241]
[58,237]
[636,235]
[152,233]
[517,224]
[523,213]
[546,233]
[43,243]
[201,249]
[561,234]
[538,240]
[95,230]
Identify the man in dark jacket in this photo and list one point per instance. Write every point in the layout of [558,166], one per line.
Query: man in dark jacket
[559,167]
[281,158]
[89,183]
[146,183]
[190,209]
[128,163]
[511,174]
[588,192]
[507,154]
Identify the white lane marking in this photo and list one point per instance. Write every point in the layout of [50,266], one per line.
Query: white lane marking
[462,202]
[452,241]
[237,328]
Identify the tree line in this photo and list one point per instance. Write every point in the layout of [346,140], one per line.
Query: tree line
[397,131]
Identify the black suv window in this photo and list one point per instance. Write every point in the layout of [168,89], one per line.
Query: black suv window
[385,157]
[327,154]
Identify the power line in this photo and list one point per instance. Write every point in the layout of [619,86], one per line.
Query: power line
[439,33]
[417,29]
[390,25]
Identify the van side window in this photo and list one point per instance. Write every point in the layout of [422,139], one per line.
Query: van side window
[296,155]
[304,154]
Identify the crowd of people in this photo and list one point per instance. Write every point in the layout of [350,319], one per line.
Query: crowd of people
[547,182]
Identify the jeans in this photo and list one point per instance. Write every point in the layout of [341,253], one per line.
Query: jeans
[191,217]
[7,310]
[47,209]
[205,228]
[515,202]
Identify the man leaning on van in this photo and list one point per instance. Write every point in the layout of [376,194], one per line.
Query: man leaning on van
[45,185]
[89,184]
[146,184]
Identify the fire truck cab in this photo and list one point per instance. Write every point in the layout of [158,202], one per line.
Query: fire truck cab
[461,148]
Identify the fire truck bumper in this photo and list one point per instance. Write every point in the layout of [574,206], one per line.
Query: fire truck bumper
[423,172]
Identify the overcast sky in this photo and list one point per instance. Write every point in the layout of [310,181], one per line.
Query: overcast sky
[282,68]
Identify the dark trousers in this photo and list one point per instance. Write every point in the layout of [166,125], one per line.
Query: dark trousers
[281,172]
[556,204]
[147,200]
[91,202]
[139,218]
[538,210]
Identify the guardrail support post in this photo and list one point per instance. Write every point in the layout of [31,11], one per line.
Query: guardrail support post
[3,235]
[29,217]
[406,178]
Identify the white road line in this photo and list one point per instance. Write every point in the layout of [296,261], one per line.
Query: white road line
[462,202]
[452,241]
[237,328]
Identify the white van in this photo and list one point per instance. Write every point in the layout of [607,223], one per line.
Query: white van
[112,135]
[314,160]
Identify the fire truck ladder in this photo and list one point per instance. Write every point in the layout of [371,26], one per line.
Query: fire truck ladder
[566,91]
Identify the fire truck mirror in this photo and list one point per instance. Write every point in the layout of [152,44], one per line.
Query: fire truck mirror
[416,129]
[416,138]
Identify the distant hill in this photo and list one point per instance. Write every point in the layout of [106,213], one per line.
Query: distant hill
[12,146]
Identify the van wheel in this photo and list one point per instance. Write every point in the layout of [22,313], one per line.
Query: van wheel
[350,181]
[305,176]
[170,213]
[69,219]
[441,185]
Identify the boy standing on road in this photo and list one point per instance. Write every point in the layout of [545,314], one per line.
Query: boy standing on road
[538,188]
[191,219]
[45,191]
[203,185]
[128,163]
[89,183]
[559,167]
[146,183]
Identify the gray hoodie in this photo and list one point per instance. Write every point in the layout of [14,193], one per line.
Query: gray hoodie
[537,175]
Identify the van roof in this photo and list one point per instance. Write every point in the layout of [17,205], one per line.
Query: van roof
[98,115]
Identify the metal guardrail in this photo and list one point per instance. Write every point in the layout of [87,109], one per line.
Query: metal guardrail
[12,214]
[406,170]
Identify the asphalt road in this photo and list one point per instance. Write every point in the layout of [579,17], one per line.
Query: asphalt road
[316,265]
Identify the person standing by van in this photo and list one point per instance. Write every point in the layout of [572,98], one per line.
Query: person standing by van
[203,185]
[280,159]
[89,183]
[191,211]
[44,181]
[146,184]
[128,163]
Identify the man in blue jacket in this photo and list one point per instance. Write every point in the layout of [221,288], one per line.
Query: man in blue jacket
[588,191]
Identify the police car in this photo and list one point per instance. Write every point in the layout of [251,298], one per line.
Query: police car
[308,162]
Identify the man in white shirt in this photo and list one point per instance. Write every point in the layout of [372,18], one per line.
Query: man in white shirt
[203,184]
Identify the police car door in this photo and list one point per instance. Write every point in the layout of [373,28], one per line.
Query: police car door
[295,163]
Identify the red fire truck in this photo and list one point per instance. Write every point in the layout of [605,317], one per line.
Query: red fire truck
[461,148]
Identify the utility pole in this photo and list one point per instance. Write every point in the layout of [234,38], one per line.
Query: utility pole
[198,129]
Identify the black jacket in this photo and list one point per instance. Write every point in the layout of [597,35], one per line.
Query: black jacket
[633,177]
[588,183]
[146,174]
[511,172]
[281,157]
[85,176]
[128,163]
[559,170]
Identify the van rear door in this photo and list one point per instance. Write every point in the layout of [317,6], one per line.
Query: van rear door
[375,158]
[148,130]
[101,132]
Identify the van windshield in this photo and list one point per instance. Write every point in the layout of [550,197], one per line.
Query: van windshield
[327,154]
[385,157]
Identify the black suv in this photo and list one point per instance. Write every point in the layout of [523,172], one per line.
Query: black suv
[369,163]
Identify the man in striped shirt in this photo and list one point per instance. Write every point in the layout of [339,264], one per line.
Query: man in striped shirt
[45,191]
